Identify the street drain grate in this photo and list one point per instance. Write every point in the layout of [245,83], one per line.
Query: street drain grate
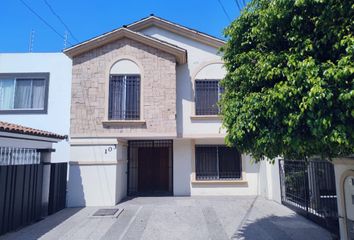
[106,212]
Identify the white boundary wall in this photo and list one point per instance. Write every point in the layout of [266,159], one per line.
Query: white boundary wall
[97,174]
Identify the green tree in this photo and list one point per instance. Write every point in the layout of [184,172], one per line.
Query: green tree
[289,88]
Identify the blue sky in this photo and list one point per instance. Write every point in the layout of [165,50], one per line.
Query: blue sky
[90,18]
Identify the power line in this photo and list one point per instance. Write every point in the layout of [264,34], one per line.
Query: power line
[238,5]
[223,8]
[43,20]
[244,3]
[60,19]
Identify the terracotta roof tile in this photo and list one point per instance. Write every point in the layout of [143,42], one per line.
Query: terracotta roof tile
[14,128]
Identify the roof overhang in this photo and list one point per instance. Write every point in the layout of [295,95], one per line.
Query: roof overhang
[178,29]
[21,136]
[7,128]
[179,53]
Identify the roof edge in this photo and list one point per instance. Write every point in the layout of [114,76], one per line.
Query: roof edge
[178,29]
[19,129]
[179,53]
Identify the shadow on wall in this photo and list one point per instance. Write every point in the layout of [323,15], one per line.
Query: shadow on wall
[184,93]
[75,193]
[121,181]
[281,227]
[250,167]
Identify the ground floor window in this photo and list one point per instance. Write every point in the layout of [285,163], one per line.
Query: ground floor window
[215,162]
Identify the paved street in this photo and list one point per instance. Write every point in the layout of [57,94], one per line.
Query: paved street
[178,218]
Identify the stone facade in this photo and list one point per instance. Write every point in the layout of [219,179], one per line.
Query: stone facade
[90,81]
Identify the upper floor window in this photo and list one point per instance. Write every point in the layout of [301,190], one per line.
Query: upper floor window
[207,88]
[207,95]
[124,91]
[124,97]
[23,93]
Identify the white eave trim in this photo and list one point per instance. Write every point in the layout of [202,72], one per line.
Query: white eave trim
[178,29]
[179,53]
[28,137]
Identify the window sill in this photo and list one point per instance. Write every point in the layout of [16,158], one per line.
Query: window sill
[235,182]
[123,122]
[205,117]
[23,111]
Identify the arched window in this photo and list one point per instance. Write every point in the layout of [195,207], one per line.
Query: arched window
[208,89]
[124,91]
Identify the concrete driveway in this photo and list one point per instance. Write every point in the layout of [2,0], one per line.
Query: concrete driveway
[178,218]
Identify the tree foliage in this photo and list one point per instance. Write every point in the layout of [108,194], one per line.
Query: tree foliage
[289,87]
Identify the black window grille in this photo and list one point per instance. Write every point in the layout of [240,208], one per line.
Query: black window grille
[124,97]
[217,162]
[207,95]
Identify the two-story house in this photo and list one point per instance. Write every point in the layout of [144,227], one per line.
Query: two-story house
[35,91]
[144,117]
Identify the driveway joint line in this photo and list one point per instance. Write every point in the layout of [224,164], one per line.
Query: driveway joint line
[130,223]
[245,217]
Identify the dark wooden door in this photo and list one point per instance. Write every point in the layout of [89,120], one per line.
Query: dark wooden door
[153,172]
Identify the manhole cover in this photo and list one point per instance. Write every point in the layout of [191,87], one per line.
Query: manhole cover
[105,212]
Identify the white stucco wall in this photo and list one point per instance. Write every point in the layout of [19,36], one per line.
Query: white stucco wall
[125,66]
[199,55]
[97,174]
[211,71]
[91,185]
[121,181]
[57,119]
[342,168]
[269,180]
[182,167]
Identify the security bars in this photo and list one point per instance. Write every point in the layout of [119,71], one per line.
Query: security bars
[18,156]
[309,188]
[133,164]
[207,95]
[124,97]
[217,162]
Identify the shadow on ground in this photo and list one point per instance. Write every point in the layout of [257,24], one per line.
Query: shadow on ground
[42,227]
[280,227]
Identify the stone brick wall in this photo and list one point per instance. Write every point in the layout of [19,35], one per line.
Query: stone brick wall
[89,85]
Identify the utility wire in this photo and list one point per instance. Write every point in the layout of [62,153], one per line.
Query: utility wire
[223,8]
[238,5]
[244,3]
[60,19]
[43,20]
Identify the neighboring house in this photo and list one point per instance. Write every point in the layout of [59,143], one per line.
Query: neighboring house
[144,117]
[30,186]
[35,91]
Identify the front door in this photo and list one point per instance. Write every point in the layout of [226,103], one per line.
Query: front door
[153,170]
[150,167]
